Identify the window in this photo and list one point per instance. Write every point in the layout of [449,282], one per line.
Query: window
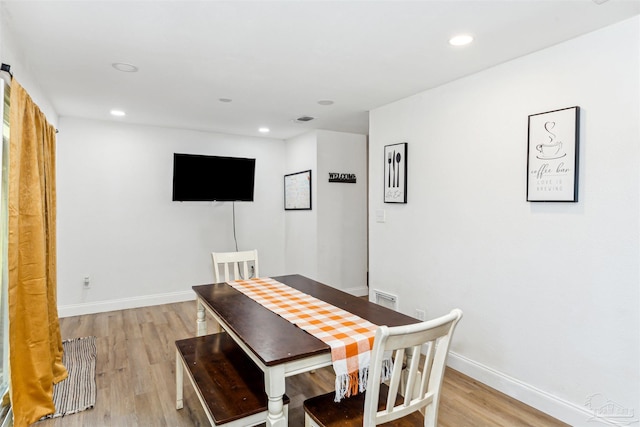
[4,224]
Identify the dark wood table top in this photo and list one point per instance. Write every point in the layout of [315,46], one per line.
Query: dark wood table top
[275,340]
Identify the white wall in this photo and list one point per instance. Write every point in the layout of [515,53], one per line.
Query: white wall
[11,54]
[329,242]
[342,212]
[549,290]
[118,225]
[301,231]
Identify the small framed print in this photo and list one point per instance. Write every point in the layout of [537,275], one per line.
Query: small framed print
[297,191]
[552,162]
[395,173]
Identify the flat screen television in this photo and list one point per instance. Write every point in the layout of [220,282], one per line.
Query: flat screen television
[212,178]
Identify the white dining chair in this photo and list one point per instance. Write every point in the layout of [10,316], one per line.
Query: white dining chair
[235,265]
[418,403]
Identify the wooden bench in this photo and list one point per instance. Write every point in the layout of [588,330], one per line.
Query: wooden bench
[229,385]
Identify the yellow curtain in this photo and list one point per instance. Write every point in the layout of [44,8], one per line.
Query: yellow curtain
[35,345]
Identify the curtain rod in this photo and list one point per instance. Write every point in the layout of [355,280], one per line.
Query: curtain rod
[7,69]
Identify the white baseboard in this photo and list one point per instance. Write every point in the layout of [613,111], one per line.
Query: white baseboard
[556,407]
[146,301]
[358,292]
[124,303]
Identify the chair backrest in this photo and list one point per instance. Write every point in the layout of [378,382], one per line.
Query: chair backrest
[424,374]
[240,263]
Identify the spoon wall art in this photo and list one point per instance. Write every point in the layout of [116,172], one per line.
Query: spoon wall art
[395,173]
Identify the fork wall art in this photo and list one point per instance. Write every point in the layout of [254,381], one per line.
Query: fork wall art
[395,173]
[552,163]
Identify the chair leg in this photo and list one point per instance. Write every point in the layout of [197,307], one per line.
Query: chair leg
[430,415]
[179,381]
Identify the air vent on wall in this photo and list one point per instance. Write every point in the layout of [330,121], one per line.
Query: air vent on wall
[304,119]
[386,300]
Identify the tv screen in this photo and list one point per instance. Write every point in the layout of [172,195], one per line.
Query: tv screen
[209,178]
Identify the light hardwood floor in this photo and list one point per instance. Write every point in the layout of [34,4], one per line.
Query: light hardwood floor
[135,377]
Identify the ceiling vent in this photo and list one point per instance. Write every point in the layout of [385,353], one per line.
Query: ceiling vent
[304,119]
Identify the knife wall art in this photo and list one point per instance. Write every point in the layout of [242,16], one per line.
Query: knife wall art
[395,173]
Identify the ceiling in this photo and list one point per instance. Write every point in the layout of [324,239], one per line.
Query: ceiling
[274,59]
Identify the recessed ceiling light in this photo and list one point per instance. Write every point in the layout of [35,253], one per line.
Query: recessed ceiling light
[325,102]
[225,99]
[263,130]
[461,40]
[118,113]
[127,68]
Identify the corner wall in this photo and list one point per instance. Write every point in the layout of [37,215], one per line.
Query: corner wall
[11,54]
[301,232]
[329,242]
[550,291]
[342,212]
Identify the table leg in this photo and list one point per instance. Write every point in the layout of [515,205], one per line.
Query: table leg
[179,380]
[274,383]
[404,382]
[201,323]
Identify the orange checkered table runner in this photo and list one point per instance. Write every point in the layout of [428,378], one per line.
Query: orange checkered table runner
[349,336]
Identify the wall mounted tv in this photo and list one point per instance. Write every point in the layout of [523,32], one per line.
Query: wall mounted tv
[208,178]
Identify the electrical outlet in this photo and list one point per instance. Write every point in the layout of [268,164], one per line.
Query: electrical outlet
[420,314]
[87,282]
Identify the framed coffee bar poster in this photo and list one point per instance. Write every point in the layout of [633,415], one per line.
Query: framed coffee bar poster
[552,163]
[395,173]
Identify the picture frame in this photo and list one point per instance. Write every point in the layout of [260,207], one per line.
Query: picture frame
[297,191]
[552,156]
[395,173]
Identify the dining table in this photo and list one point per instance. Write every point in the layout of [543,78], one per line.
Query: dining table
[278,347]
